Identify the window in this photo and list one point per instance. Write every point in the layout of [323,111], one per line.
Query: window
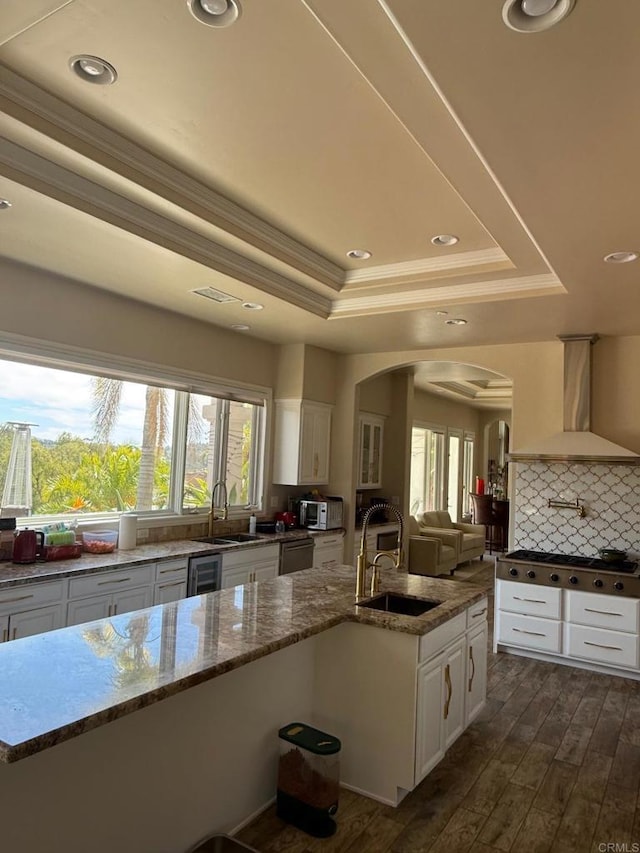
[86,445]
[453,475]
[427,469]
[467,473]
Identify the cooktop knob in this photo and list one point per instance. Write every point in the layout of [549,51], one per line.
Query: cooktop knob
[597,582]
[531,574]
[618,585]
[573,579]
[513,572]
[554,577]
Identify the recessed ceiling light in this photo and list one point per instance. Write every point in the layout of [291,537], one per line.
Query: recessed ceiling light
[445,240]
[93,69]
[359,254]
[5,204]
[240,327]
[253,306]
[456,321]
[215,13]
[442,313]
[621,257]
[533,16]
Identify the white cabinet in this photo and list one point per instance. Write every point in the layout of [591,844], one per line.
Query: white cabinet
[602,629]
[302,442]
[171,581]
[476,676]
[370,451]
[31,609]
[328,551]
[108,593]
[250,564]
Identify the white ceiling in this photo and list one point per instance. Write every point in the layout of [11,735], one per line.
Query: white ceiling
[251,159]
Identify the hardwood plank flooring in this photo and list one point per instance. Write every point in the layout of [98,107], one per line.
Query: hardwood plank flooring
[552,765]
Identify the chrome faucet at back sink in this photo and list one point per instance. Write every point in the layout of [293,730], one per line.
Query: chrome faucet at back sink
[363,560]
[225,506]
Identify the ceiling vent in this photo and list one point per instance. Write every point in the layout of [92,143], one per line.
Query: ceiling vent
[216,295]
[576,443]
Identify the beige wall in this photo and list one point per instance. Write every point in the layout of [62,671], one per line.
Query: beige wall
[440,411]
[376,395]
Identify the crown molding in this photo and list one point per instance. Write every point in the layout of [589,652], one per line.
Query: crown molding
[55,181]
[44,113]
[409,300]
[422,267]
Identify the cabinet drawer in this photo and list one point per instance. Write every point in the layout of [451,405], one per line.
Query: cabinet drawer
[250,556]
[477,613]
[603,646]
[111,582]
[27,596]
[603,611]
[530,599]
[328,541]
[171,570]
[436,640]
[531,632]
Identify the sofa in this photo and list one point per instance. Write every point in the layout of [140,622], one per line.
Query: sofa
[468,540]
[427,555]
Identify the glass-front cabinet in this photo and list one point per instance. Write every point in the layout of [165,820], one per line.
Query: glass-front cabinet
[370,463]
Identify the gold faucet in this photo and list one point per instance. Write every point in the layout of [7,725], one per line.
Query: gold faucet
[225,506]
[363,560]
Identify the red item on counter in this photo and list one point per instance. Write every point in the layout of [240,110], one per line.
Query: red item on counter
[479,486]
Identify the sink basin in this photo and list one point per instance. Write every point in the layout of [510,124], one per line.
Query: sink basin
[391,602]
[231,539]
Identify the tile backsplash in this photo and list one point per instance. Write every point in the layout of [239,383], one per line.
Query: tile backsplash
[609,493]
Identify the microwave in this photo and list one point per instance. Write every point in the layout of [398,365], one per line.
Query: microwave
[321,515]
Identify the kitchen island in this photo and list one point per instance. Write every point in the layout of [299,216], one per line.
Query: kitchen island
[232,667]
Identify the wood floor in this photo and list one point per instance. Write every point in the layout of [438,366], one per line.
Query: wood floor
[553,764]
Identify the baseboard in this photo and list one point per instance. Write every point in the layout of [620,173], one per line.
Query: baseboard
[252,817]
[370,796]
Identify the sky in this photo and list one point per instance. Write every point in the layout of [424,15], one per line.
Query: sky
[61,401]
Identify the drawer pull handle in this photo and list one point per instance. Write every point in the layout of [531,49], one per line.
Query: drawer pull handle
[171,585]
[533,633]
[599,646]
[18,598]
[530,600]
[447,678]
[479,613]
[5,635]
[117,580]
[170,571]
[15,631]
[602,612]
[473,670]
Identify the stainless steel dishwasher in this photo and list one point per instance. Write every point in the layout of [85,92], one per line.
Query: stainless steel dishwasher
[296,555]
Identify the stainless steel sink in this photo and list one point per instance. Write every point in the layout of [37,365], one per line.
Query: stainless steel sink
[231,539]
[392,602]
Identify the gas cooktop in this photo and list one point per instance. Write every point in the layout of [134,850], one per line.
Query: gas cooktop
[571,560]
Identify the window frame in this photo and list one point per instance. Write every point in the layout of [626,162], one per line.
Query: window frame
[47,354]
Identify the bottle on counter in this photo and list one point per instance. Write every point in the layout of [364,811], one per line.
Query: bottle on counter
[7,535]
[252,525]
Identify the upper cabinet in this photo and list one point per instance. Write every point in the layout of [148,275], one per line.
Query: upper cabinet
[302,443]
[370,451]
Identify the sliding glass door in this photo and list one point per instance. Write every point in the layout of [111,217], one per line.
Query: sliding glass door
[427,469]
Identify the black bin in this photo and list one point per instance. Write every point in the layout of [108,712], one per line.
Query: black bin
[308,779]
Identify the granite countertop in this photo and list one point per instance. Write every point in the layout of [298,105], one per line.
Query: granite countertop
[17,575]
[62,683]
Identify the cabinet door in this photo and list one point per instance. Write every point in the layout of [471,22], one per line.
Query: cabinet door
[4,629]
[87,609]
[131,599]
[315,431]
[371,442]
[171,591]
[476,677]
[429,719]
[36,621]
[234,576]
[365,453]
[453,676]
[265,572]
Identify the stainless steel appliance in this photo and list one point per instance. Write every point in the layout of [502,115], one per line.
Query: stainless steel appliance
[321,515]
[296,555]
[570,571]
[204,574]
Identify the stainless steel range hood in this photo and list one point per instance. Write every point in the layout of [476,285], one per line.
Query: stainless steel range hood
[576,443]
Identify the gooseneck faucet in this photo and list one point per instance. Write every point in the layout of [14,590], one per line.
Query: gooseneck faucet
[225,506]
[363,560]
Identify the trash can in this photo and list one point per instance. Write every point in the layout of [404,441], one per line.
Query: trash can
[221,844]
[308,779]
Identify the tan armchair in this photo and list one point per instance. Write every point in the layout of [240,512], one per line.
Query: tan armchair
[467,539]
[427,555]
